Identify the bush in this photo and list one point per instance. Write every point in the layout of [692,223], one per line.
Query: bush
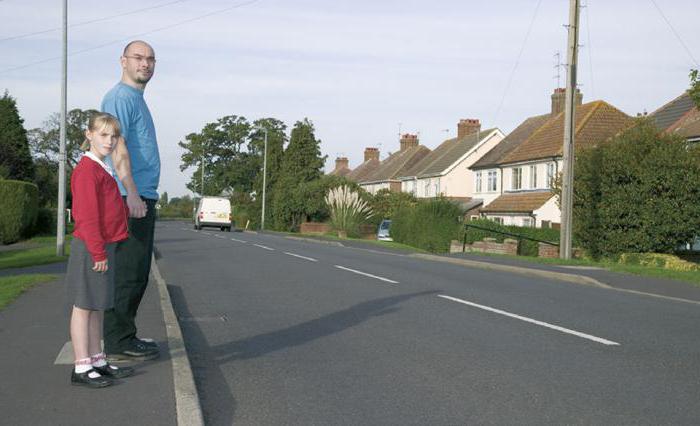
[347,209]
[385,203]
[666,261]
[45,223]
[19,203]
[430,225]
[637,194]
[527,248]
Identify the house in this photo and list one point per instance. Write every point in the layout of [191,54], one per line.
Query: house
[369,166]
[387,174]
[679,116]
[341,167]
[445,170]
[523,169]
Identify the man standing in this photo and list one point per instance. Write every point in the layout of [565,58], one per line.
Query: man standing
[139,174]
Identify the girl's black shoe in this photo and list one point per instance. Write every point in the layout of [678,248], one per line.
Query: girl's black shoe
[84,379]
[114,372]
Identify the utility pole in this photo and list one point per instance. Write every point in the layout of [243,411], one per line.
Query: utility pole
[61,213]
[567,193]
[262,214]
[201,185]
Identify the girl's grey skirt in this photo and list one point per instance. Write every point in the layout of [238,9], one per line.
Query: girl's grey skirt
[86,288]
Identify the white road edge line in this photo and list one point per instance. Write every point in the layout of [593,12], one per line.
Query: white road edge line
[263,247]
[533,321]
[301,257]
[240,241]
[366,274]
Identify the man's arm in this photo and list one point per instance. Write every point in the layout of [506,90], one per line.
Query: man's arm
[122,164]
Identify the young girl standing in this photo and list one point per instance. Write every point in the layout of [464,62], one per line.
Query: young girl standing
[100,222]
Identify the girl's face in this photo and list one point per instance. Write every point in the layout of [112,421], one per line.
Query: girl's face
[102,142]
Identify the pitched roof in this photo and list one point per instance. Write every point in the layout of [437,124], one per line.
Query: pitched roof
[446,154]
[688,126]
[343,171]
[396,164]
[359,173]
[594,122]
[672,111]
[510,142]
[518,202]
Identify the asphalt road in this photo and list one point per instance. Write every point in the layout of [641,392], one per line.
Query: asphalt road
[289,332]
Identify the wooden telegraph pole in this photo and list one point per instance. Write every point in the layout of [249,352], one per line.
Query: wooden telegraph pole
[567,192]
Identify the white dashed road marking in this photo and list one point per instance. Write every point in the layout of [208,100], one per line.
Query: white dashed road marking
[366,274]
[240,241]
[263,247]
[301,257]
[533,321]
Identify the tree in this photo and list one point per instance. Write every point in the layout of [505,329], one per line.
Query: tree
[221,149]
[163,199]
[302,163]
[694,90]
[637,193]
[46,179]
[276,139]
[15,157]
[45,141]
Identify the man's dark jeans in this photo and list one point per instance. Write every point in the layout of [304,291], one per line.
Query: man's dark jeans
[133,265]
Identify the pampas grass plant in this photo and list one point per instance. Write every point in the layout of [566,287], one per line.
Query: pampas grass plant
[347,210]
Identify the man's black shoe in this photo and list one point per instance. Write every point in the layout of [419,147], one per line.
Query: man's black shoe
[136,351]
[84,379]
[148,342]
[114,372]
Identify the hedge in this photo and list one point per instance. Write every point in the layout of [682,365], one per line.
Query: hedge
[430,225]
[527,248]
[19,204]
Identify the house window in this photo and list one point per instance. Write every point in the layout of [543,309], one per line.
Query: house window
[550,174]
[492,180]
[413,187]
[427,188]
[528,222]
[517,182]
[533,177]
[478,182]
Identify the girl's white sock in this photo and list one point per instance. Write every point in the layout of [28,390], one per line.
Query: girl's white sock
[83,365]
[98,360]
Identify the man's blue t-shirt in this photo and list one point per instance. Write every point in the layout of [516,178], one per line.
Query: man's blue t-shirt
[127,104]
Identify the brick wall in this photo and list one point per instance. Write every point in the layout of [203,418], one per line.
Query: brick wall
[487,245]
[552,252]
[314,228]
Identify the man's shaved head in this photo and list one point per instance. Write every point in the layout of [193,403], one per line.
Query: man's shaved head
[131,43]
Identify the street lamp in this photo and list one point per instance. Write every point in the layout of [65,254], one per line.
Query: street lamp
[262,214]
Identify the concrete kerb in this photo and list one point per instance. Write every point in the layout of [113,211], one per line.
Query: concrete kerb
[189,410]
[538,273]
[314,240]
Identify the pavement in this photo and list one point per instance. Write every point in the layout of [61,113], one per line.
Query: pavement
[36,360]
[35,357]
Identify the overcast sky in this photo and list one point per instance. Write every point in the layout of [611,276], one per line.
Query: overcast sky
[355,68]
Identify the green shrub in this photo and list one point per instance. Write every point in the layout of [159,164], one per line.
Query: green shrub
[430,225]
[19,203]
[45,223]
[527,248]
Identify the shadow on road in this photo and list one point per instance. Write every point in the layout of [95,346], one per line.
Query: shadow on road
[218,402]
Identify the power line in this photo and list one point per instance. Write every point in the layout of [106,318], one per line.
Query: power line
[680,40]
[517,61]
[131,37]
[92,21]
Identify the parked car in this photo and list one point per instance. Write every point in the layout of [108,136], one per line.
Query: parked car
[214,212]
[383,231]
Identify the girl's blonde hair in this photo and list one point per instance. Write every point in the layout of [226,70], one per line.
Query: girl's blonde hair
[98,122]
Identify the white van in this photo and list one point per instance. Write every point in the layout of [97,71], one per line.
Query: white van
[214,212]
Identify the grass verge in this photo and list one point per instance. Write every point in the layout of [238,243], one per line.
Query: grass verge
[11,287]
[42,251]
[691,277]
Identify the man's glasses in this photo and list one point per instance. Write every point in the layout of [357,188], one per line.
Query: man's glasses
[149,60]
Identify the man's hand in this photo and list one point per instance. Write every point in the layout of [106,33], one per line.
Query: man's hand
[137,207]
[100,266]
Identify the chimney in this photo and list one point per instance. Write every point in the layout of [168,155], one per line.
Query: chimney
[408,141]
[467,126]
[371,154]
[341,163]
[559,99]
